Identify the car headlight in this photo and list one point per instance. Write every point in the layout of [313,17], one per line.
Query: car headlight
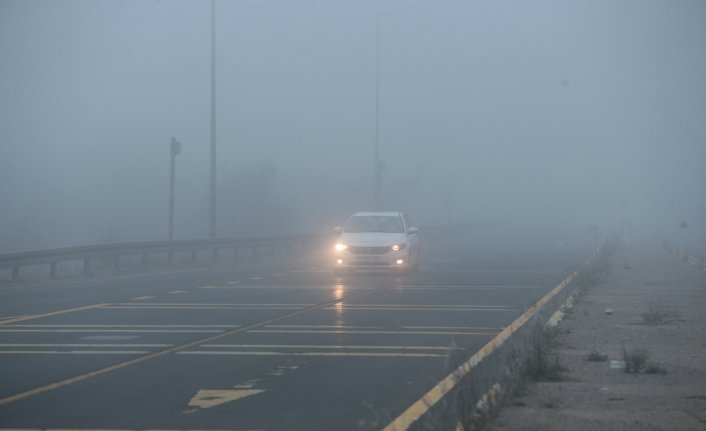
[341,247]
[398,247]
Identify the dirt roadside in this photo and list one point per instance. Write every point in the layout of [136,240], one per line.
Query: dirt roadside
[650,308]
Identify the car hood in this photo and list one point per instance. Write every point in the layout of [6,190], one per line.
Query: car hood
[372,238]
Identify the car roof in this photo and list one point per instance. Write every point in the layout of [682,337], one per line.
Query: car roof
[378,213]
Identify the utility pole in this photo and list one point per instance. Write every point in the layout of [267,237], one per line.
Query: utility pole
[378,166]
[174,149]
[212,225]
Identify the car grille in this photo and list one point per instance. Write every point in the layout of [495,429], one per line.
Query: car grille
[368,264]
[368,250]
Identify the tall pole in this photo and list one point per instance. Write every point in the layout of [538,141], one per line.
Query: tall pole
[212,226]
[174,149]
[377,165]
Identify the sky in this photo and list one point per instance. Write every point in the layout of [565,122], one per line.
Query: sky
[548,115]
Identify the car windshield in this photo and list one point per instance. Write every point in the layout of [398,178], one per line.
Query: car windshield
[387,224]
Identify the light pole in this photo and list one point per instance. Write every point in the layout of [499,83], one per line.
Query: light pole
[212,225]
[378,165]
[174,149]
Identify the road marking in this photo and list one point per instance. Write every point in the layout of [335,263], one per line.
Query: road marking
[372,307]
[234,282]
[473,328]
[81,345]
[324,346]
[177,292]
[141,298]
[172,350]
[73,352]
[122,326]
[352,354]
[53,313]
[257,278]
[207,398]
[146,331]
[113,429]
[212,307]
[205,304]
[267,331]
[357,287]
[435,394]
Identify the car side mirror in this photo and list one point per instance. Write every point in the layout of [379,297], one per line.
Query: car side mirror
[412,230]
[337,229]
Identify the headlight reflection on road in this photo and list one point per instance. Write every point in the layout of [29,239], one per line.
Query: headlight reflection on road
[338,294]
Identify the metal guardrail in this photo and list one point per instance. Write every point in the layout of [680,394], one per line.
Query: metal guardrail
[53,257]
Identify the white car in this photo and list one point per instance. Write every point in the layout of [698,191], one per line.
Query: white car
[376,240]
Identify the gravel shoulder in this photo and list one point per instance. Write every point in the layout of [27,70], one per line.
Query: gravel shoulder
[613,317]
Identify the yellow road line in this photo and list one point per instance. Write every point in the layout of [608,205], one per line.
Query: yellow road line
[435,394]
[161,353]
[53,313]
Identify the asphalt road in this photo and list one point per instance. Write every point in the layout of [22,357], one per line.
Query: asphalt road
[275,345]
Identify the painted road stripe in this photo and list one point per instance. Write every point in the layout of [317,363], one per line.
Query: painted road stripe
[121,326]
[82,345]
[213,307]
[435,394]
[145,331]
[257,278]
[169,351]
[346,306]
[53,313]
[469,328]
[353,354]
[177,292]
[141,298]
[115,429]
[73,352]
[357,287]
[268,331]
[206,304]
[325,346]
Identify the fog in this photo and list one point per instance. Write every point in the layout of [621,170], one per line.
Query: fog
[548,116]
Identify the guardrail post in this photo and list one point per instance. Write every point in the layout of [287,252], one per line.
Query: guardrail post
[52,270]
[15,273]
